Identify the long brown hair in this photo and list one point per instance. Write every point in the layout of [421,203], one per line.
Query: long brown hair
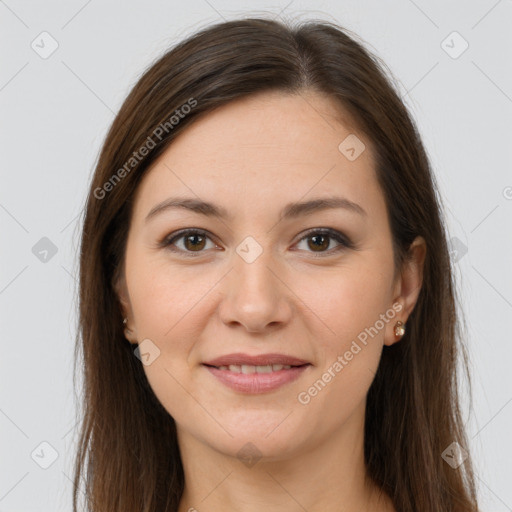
[128,448]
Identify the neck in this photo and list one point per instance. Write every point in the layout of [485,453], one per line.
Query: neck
[326,477]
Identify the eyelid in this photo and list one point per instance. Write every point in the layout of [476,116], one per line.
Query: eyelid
[341,238]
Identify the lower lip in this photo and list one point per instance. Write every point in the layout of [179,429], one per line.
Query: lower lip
[255,383]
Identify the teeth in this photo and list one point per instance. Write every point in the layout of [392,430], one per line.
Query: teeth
[248,369]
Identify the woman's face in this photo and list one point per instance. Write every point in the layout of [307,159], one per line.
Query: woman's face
[263,276]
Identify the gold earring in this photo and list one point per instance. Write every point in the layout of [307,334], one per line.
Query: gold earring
[124,323]
[399,329]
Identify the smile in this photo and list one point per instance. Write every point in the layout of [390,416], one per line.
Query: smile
[256,379]
[249,368]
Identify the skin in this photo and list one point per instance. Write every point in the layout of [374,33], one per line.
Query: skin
[253,157]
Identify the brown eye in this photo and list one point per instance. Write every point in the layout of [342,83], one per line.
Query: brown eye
[194,241]
[319,240]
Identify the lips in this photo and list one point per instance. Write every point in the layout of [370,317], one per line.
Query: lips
[257,379]
[239,359]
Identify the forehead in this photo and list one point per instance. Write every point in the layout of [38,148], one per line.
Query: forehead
[291,127]
[270,148]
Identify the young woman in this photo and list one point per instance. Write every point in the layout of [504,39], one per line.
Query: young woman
[267,306]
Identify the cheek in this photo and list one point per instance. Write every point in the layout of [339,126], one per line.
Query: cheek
[348,357]
[169,309]
[164,308]
[348,301]
[164,297]
[351,304]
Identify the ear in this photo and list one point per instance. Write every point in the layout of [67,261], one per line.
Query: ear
[121,291]
[407,286]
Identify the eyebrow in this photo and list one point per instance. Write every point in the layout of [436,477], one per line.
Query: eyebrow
[291,210]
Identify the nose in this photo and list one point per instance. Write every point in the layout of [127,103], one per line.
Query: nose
[255,296]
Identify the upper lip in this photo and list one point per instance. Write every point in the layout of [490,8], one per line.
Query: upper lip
[260,360]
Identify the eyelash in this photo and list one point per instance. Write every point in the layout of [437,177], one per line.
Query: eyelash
[344,242]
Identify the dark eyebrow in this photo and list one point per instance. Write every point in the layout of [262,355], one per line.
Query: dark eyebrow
[291,210]
[296,209]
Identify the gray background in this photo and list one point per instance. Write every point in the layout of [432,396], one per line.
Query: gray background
[55,112]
